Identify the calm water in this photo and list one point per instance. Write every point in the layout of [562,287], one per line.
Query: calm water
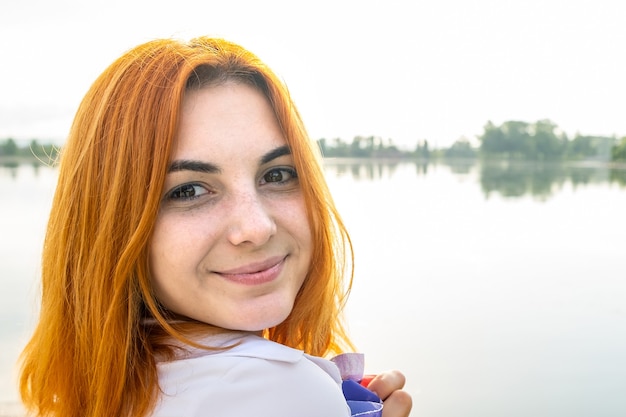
[498,289]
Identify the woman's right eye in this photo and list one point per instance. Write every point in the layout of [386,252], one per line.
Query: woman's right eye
[186,192]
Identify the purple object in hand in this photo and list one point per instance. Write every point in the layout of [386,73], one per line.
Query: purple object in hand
[362,402]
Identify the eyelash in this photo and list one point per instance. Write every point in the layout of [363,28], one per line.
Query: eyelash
[291,173]
[176,194]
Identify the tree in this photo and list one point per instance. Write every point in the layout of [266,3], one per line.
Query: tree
[460,149]
[519,139]
[492,140]
[9,148]
[618,152]
[422,150]
[546,142]
[581,147]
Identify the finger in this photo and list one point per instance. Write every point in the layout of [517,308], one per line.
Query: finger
[398,404]
[386,383]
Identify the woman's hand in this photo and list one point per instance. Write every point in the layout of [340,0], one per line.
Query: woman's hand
[388,386]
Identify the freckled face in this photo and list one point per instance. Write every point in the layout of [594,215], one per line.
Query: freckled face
[232,244]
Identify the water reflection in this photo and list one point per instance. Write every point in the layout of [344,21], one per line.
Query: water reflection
[516,180]
[618,176]
[509,179]
[362,169]
[461,166]
[9,169]
[542,180]
[14,169]
[505,178]
[447,280]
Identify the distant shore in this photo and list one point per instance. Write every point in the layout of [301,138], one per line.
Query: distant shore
[16,160]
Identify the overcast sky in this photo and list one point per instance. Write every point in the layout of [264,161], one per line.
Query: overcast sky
[405,70]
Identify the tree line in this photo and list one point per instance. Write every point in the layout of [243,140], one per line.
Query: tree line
[9,149]
[541,140]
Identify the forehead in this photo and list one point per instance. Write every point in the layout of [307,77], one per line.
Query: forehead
[226,117]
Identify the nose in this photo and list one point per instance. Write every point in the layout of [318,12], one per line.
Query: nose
[250,221]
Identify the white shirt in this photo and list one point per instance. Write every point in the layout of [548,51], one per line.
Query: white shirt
[256,378]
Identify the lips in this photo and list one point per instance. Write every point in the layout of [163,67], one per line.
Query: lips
[255,273]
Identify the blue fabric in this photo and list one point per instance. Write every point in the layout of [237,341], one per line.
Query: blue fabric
[362,402]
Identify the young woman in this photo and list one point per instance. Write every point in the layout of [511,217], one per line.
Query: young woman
[194,259]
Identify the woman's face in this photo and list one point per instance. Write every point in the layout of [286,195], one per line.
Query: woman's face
[232,243]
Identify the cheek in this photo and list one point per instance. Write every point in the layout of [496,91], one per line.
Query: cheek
[158,250]
[171,246]
[300,228]
[292,220]
[174,256]
[307,227]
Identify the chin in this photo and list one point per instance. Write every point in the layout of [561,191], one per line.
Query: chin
[264,323]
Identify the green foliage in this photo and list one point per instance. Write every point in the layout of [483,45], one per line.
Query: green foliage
[360,147]
[590,147]
[45,153]
[581,147]
[618,152]
[422,150]
[517,139]
[8,148]
[541,141]
[460,149]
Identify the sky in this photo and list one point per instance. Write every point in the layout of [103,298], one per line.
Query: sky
[409,71]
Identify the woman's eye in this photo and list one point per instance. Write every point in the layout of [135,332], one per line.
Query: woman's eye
[279,175]
[186,192]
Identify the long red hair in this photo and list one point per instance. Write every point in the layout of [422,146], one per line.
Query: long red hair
[92,353]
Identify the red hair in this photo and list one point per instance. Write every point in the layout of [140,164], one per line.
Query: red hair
[92,353]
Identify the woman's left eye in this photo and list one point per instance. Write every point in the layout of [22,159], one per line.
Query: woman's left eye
[279,175]
[186,192]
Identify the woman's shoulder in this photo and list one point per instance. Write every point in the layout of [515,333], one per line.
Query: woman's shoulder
[253,374]
[247,354]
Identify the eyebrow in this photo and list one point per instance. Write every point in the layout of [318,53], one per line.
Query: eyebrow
[192,165]
[209,168]
[275,153]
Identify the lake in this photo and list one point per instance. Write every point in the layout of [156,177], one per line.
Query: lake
[499,289]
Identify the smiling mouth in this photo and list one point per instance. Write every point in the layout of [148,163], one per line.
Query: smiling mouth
[255,274]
